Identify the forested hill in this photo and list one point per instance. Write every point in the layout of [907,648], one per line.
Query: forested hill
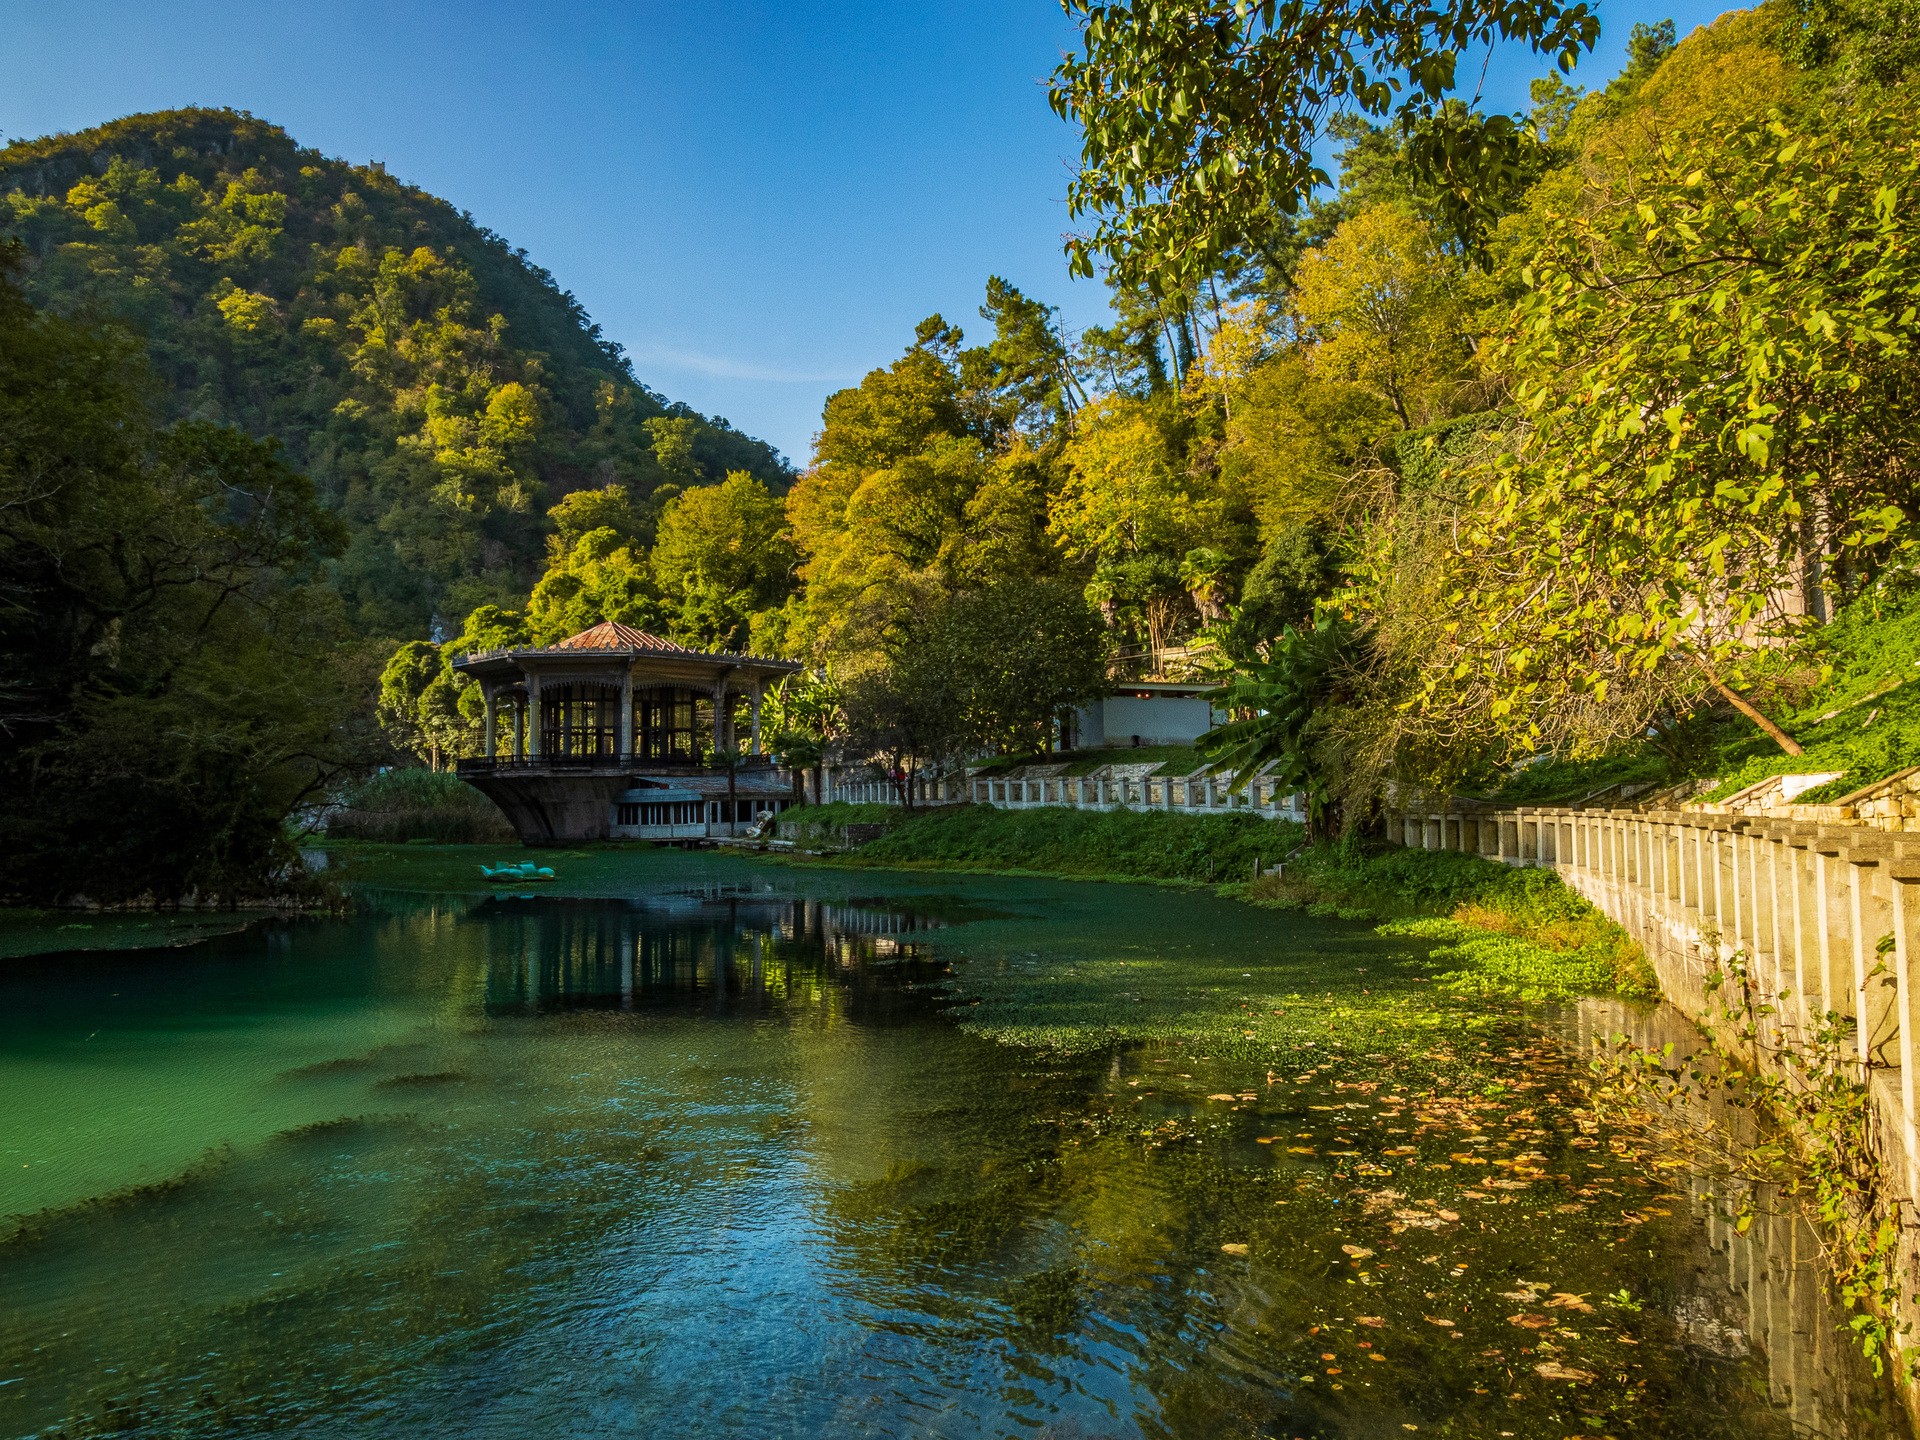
[439,387]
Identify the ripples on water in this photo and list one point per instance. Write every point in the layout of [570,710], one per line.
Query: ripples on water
[714,1161]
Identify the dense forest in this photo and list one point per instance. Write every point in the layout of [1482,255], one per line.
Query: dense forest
[1509,441]
[437,387]
[1517,440]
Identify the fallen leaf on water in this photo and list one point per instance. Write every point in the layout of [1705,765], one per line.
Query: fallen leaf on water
[1554,1370]
[1378,1322]
[1234,1249]
[1530,1322]
[1358,1252]
[1376,1355]
[1299,1149]
[1563,1301]
[1437,1320]
[1223,1097]
[1264,1139]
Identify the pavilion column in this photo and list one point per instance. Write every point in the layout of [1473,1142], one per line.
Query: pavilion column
[720,716]
[489,726]
[626,713]
[518,704]
[753,704]
[533,715]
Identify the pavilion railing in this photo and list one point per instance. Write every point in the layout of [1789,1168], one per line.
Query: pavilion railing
[608,761]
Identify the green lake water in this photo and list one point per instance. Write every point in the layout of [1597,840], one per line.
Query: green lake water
[712,1152]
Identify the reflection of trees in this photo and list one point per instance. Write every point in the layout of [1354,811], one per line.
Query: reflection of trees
[582,1122]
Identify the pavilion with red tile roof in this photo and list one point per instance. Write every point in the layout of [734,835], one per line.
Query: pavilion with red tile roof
[613,710]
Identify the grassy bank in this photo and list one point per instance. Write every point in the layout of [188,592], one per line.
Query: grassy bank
[1490,930]
[52,932]
[1084,844]
[1495,930]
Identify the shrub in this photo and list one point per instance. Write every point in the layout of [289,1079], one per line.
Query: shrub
[1151,845]
[415,804]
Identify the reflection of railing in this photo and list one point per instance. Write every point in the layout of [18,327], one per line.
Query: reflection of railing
[1811,931]
[1763,1292]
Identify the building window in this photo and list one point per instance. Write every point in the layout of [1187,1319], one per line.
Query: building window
[579,722]
[665,725]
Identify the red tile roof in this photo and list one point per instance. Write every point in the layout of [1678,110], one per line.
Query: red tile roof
[612,635]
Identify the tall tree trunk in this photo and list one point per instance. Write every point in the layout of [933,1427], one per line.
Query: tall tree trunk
[1746,707]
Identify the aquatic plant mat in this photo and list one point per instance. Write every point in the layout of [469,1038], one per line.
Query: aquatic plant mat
[911,1153]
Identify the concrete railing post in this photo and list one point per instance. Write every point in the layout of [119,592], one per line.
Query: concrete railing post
[1832,907]
[1874,1015]
[1904,876]
[1808,1005]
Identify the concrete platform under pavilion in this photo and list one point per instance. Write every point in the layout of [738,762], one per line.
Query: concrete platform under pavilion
[615,734]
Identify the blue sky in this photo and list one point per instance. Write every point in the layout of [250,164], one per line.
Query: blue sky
[758,200]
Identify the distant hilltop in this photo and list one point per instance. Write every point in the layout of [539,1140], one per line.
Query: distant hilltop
[441,388]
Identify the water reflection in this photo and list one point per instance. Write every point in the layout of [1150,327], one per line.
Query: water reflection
[1762,1290]
[720,947]
[709,1161]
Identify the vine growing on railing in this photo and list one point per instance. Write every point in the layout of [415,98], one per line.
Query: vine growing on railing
[1812,1115]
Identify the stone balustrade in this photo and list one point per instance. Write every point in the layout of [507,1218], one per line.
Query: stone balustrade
[1826,919]
[1111,787]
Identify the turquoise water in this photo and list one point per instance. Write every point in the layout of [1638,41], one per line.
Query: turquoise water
[713,1158]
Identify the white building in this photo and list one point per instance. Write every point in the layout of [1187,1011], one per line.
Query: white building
[1145,712]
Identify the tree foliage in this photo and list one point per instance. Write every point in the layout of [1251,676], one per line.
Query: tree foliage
[176,677]
[1199,118]
[1712,370]
[438,388]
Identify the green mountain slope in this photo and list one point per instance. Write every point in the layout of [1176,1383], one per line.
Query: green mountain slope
[438,386]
